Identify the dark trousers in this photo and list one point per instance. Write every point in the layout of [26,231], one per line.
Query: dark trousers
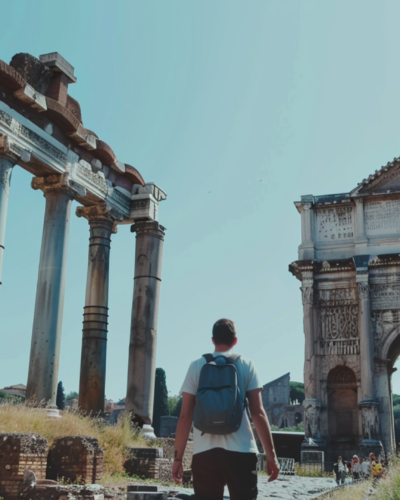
[213,469]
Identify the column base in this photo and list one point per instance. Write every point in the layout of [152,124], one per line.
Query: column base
[52,412]
[368,446]
[148,432]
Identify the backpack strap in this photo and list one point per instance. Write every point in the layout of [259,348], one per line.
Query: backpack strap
[208,357]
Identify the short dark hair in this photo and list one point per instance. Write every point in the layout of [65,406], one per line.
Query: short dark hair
[224,332]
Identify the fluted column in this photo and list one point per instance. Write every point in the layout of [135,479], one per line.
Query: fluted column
[95,316]
[368,405]
[366,339]
[46,333]
[307,291]
[6,165]
[312,405]
[142,348]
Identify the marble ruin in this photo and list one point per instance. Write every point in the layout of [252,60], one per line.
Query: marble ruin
[349,269]
[41,130]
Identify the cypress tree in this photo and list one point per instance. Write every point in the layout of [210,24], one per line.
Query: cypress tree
[60,398]
[160,400]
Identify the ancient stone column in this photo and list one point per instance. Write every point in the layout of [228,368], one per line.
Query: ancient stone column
[307,291]
[366,339]
[95,316]
[368,404]
[307,248]
[6,165]
[142,348]
[46,333]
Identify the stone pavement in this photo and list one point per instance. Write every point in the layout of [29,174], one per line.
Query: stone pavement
[288,487]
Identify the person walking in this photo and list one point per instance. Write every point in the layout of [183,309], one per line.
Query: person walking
[365,468]
[355,468]
[225,451]
[340,471]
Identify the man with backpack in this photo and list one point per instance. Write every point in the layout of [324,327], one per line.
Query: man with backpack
[214,399]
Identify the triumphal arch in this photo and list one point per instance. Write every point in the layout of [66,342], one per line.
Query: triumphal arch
[349,269]
[41,130]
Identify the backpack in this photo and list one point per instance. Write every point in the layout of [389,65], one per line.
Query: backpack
[220,396]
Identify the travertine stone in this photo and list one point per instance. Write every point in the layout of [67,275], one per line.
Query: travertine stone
[142,348]
[95,317]
[46,332]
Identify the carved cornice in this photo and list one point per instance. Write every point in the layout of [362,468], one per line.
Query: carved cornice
[58,182]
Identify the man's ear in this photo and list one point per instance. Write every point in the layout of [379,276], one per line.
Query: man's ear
[234,341]
[213,341]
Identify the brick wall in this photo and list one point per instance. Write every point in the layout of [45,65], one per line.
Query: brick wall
[19,452]
[156,463]
[76,459]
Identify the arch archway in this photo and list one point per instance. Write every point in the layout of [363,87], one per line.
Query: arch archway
[391,356]
[343,420]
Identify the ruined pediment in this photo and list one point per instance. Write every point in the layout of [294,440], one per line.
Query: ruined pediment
[383,181]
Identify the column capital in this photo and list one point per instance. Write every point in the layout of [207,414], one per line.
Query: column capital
[362,284]
[100,213]
[11,151]
[307,295]
[149,227]
[58,182]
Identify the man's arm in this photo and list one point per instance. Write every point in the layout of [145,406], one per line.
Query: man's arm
[182,433]
[261,423]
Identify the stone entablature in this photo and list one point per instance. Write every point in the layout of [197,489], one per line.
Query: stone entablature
[364,221]
[349,268]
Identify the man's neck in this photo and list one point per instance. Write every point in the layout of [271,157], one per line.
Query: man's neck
[222,348]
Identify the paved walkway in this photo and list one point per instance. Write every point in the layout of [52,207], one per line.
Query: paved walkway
[289,488]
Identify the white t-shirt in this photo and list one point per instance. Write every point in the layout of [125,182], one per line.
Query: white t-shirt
[243,439]
[366,467]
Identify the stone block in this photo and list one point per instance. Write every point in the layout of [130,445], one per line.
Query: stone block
[75,458]
[141,488]
[19,452]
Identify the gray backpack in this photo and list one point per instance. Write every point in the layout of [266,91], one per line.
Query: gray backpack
[220,397]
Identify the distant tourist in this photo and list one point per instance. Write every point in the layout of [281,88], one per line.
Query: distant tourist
[340,471]
[377,469]
[355,468]
[365,468]
[225,452]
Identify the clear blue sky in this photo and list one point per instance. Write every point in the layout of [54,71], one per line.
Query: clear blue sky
[235,109]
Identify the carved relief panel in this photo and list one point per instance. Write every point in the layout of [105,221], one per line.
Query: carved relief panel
[382,217]
[385,312]
[338,321]
[334,224]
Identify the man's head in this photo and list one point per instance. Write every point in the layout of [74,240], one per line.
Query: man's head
[224,333]
[339,459]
